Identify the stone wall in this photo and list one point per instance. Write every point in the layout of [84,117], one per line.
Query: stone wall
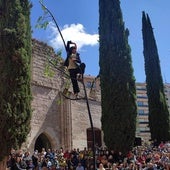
[81,122]
[62,121]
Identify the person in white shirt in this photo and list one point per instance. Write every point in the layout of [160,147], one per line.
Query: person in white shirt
[75,67]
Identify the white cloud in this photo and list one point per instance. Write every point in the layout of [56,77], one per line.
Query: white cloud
[73,32]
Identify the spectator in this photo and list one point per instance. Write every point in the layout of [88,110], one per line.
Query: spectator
[79,166]
[101,167]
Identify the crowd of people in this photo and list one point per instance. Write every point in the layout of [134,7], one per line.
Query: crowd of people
[145,157]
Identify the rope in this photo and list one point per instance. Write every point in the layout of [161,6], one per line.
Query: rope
[76,98]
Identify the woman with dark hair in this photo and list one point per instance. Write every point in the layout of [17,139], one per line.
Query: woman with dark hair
[75,67]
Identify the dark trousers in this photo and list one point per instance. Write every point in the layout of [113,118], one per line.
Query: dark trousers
[73,75]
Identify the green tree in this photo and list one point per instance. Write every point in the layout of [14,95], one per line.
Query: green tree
[118,91]
[15,59]
[158,110]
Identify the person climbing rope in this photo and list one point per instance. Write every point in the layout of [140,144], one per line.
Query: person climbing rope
[75,67]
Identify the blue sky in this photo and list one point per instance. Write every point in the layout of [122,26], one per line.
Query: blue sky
[79,21]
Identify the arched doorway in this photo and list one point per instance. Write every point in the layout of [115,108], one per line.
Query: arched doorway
[42,142]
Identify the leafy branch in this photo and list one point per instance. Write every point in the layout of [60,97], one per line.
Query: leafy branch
[43,21]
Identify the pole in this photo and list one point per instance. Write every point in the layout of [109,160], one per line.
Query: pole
[91,123]
[55,24]
[85,92]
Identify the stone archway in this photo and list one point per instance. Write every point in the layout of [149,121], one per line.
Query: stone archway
[42,142]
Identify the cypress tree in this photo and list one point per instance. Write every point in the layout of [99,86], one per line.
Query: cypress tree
[118,91]
[15,58]
[158,110]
